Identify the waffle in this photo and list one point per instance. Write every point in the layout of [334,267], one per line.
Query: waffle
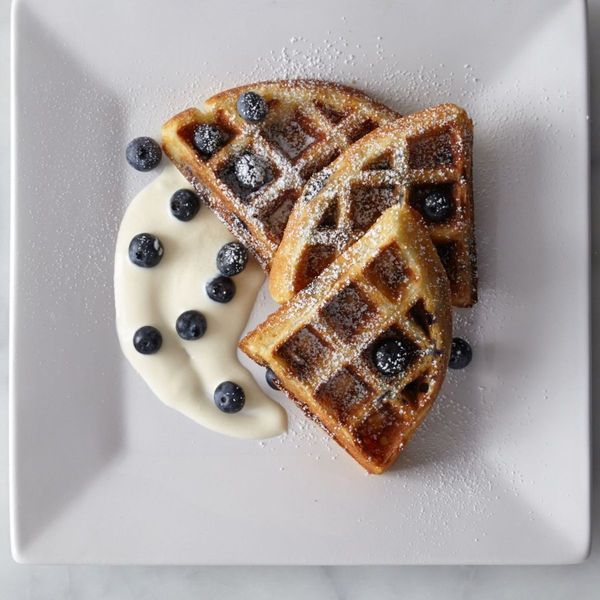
[309,123]
[404,160]
[320,345]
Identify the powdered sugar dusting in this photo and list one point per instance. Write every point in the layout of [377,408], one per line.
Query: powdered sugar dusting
[495,126]
[505,117]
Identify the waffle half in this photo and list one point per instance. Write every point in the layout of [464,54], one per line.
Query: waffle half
[389,284]
[309,124]
[403,161]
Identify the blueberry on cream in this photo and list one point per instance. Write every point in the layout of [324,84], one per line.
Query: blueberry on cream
[145,250]
[220,289]
[229,397]
[147,340]
[185,205]
[232,259]
[191,325]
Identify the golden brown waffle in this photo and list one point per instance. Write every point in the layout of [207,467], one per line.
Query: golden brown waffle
[405,160]
[309,123]
[389,284]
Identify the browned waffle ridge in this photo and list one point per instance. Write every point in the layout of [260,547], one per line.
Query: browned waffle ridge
[390,283]
[309,124]
[401,161]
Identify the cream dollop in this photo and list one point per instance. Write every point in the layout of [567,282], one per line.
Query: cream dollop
[184,374]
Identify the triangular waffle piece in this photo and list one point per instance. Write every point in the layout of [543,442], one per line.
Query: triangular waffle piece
[308,124]
[322,344]
[423,159]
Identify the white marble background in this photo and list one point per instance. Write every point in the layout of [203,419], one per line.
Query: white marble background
[19,582]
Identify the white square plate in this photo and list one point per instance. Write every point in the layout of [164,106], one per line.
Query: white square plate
[102,472]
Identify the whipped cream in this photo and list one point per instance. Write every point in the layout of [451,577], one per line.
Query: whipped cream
[184,374]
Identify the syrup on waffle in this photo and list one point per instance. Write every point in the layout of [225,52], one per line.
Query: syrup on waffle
[308,124]
[389,285]
[424,160]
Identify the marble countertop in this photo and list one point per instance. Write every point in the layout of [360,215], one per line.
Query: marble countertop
[19,582]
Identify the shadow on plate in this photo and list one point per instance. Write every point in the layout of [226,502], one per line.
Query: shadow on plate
[67,407]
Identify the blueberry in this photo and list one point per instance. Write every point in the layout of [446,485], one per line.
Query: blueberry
[251,170]
[232,258]
[208,139]
[191,325]
[147,340]
[460,354]
[391,357]
[252,107]
[184,205]
[272,379]
[145,250]
[220,289]
[143,153]
[436,206]
[229,397]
